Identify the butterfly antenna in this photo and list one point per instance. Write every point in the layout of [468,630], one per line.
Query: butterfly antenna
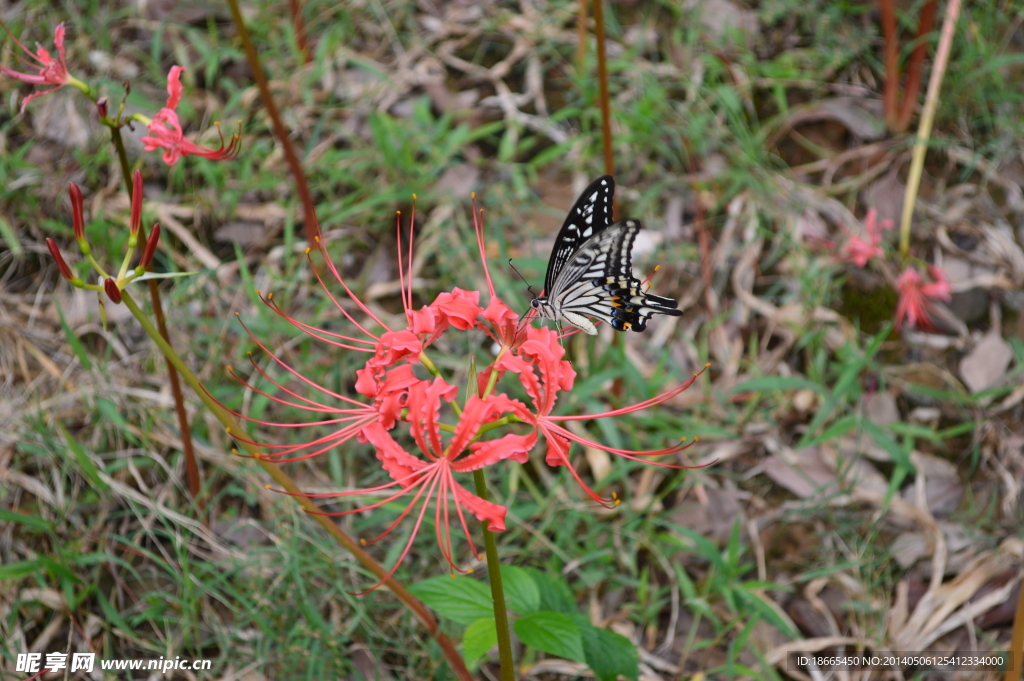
[528,287]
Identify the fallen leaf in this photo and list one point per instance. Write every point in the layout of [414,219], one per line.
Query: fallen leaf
[986,364]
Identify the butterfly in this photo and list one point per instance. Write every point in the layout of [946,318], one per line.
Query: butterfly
[590,273]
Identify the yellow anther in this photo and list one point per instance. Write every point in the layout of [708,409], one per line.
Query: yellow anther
[236,314]
[398,212]
[230,368]
[469,571]
[307,250]
[266,487]
[472,195]
[270,296]
[234,451]
[248,353]
[362,542]
[316,239]
[414,196]
[696,439]
[228,430]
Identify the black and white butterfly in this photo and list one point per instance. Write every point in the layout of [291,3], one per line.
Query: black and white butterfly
[590,273]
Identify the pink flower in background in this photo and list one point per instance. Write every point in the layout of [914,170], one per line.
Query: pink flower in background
[48,70]
[404,415]
[915,297]
[165,130]
[858,250]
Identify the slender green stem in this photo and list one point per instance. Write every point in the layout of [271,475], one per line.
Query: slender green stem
[191,465]
[497,589]
[122,156]
[280,477]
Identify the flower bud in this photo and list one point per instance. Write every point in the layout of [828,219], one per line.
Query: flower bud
[101,107]
[78,216]
[113,292]
[147,254]
[65,271]
[136,220]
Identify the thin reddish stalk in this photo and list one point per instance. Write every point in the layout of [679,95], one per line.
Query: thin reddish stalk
[191,465]
[606,130]
[581,32]
[915,69]
[290,155]
[419,610]
[602,81]
[300,29]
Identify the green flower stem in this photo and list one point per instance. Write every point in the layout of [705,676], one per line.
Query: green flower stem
[191,465]
[497,589]
[418,609]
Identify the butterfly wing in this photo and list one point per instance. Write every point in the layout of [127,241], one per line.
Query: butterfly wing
[597,281]
[589,216]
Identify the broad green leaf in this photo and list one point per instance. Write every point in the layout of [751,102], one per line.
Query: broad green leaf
[609,654]
[480,637]
[460,599]
[555,594]
[521,592]
[552,632]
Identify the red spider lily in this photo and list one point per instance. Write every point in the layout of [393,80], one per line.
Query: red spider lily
[914,304]
[858,250]
[397,400]
[48,70]
[165,130]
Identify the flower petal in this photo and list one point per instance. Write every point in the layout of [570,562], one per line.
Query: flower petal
[399,463]
[483,510]
[460,307]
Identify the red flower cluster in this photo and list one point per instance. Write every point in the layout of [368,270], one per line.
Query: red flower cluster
[165,130]
[398,397]
[49,70]
[915,297]
[858,250]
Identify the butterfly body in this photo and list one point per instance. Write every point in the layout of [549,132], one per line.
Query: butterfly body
[590,273]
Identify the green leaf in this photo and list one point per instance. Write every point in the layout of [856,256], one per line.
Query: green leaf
[480,637]
[10,238]
[609,654]
[35,522]
[555,594]
[460,599]
[765,383]
[19,569]
[88,468]
[521,592]
[73,341]
[551,632]
[842,426]
[899,455]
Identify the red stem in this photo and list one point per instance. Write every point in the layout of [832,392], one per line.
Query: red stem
[915,69]
[291,157]
[300,29]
